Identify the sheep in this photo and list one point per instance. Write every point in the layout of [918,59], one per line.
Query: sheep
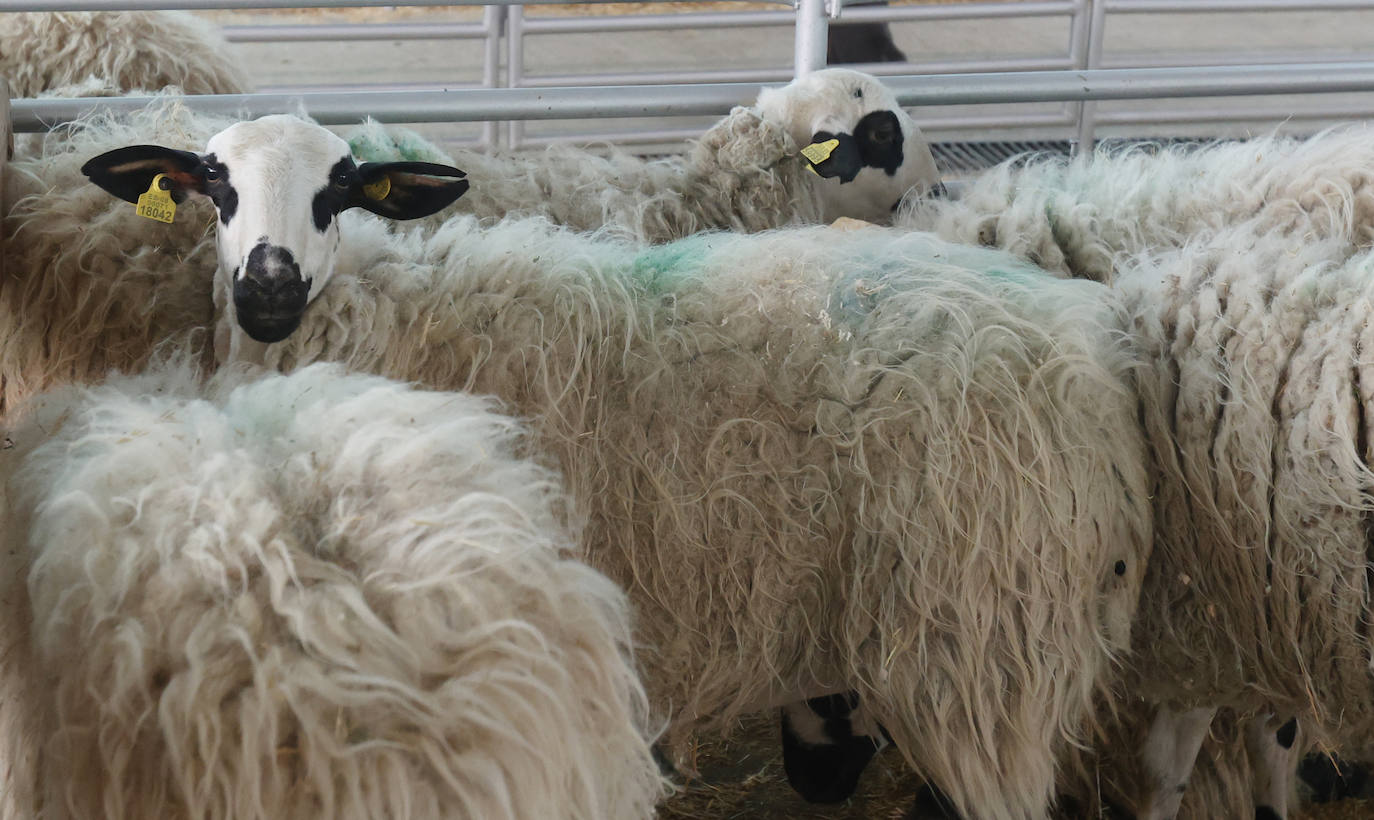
[91,285]
[770,437]
[322,594]
[1076,217]
[745,173]
[1254,405]
[130,50]
[722,385]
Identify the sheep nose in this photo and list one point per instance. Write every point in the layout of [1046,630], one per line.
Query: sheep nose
[270,296]
[271,266]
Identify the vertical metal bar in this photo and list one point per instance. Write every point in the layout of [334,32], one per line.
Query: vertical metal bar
[515,67]
[1087,111]
[6,149]
[812,27]
[492,19]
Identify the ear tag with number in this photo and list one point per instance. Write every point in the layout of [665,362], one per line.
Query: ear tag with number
[156,203]
[378,190]
[818,152]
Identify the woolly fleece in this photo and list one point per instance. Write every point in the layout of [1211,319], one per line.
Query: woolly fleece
[130,50]
[315,595]
[817,460]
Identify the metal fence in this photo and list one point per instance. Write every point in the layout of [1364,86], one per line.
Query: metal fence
[1072,83]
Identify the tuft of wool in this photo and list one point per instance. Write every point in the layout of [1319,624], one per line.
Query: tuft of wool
[91,286]
[319,594]
[1078,217]
[129,50]
[817,461]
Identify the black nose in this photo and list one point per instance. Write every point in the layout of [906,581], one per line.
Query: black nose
[270,296]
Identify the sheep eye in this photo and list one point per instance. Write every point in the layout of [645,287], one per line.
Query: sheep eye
[343,179]
[211,174]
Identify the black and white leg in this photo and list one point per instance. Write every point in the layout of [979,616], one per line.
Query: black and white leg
[1273,750]
[826,744]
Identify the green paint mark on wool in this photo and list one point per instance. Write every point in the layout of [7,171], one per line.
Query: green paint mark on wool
[667,268]
[373,143]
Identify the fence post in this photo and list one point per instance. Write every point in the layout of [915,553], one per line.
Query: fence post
[1087,111]
[812,26]
[6,151]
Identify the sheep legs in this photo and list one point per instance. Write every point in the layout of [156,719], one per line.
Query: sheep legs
[1273,759]
[1170,750]
[826,743]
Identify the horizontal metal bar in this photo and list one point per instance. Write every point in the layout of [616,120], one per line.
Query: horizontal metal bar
[1204,6]
[768,75]
[199,5]
[358,88]
[1133,83]
[654,22]
[955,11]
[469,105]
[352,32]
[1231,114]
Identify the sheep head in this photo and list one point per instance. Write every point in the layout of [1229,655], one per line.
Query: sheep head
[278,184]
[866,151]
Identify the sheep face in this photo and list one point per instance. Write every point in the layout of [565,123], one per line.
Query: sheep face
[871,151]
[278,184]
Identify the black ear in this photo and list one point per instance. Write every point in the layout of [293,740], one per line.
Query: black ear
[128,172]
[834,155]
[407,190]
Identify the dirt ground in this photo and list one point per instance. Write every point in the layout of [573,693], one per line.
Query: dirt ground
[742,779]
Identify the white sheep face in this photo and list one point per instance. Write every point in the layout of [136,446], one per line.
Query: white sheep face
[278,184]
[882,153]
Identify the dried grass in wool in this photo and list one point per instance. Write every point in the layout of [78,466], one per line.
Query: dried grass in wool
[1077,216]
[816,460]
[131,50]
[90,285]
[315,595]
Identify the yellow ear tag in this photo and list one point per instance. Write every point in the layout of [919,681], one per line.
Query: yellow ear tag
[818,152]
[156,203]
[378,190]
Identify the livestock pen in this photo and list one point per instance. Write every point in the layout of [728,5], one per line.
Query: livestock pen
[1074,91]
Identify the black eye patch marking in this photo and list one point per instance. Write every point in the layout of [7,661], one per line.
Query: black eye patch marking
[332,198]
[879,135]
[214,176]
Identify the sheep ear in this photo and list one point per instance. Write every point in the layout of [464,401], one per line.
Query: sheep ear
[128,172]
[834,155]
[407,190]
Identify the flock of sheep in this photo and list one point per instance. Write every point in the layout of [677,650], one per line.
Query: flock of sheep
[490,511]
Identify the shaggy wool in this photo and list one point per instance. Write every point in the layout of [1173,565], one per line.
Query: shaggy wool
[817,461]
[130,50]
[315,595]
[1255,400]
[90,285]
[1077,217]
[744,174]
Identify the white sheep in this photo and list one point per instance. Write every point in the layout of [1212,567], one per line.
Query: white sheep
[760,427]
[815,465]
[128,50]
[1090,217]
[1079,216]
[318,594]
[746,172]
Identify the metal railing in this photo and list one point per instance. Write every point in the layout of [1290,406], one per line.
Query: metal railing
[1077,79]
